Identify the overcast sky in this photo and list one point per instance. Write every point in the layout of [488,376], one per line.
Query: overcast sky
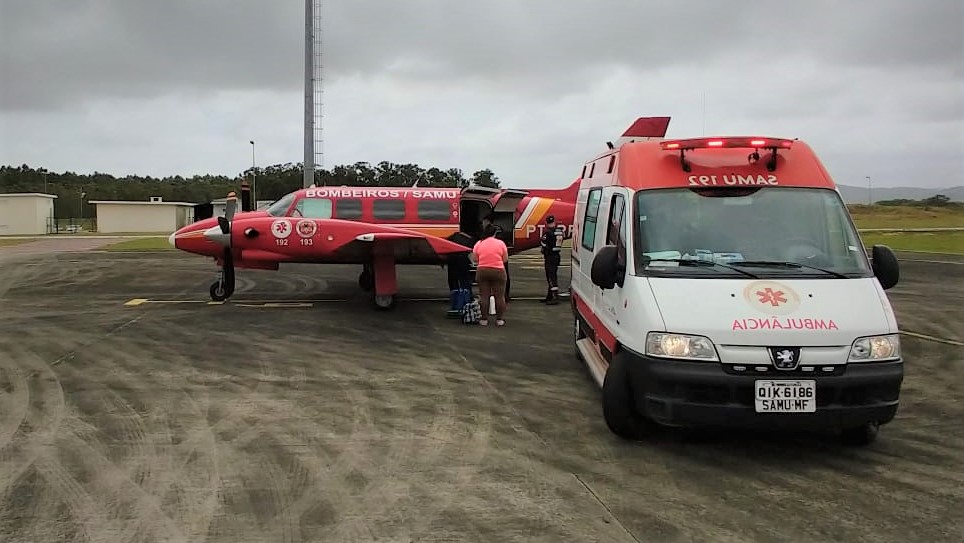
[528,88]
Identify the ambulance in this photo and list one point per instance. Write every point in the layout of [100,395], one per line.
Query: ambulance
[720,281]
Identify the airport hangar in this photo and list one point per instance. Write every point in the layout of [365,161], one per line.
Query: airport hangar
[26,214]
[152,216]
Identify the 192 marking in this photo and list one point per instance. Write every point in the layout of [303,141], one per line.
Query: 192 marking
[283,241]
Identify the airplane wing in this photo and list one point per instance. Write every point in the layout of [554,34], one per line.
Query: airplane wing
[407,246]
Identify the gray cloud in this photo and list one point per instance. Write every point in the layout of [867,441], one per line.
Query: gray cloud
[530,89]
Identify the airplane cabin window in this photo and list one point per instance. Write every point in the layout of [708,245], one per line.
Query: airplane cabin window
[388,210]
[348,208]
[313,208]
[434,210]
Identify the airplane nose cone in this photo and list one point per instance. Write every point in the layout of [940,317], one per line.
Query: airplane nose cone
[170,239]
[217,236]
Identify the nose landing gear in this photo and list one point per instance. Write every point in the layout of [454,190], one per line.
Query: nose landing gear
[223,288]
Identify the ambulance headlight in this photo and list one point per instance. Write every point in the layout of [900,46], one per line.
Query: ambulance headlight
[875,349]
[686,347]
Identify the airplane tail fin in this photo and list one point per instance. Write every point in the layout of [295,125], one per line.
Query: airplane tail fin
[567,194]
[643,129]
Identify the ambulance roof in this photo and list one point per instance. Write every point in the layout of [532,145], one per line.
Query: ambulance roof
[726,161]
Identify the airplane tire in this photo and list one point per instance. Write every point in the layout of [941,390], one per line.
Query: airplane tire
[384,302]
[618,405]
[218,292]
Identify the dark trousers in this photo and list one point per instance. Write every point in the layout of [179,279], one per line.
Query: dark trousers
[551,263]
[459,275]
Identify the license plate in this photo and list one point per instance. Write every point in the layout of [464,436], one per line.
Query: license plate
[785,396]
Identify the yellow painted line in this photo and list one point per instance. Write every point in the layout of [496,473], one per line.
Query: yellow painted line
[135,302]
[933,338]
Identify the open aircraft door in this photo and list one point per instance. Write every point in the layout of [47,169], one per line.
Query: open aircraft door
[476,202]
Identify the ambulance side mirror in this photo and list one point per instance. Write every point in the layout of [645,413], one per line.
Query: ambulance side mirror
[605,271]
[884,263]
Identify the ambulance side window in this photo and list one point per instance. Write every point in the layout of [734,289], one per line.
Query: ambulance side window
[614,234]
[589,221]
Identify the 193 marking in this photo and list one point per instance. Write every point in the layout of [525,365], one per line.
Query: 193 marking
[305,242]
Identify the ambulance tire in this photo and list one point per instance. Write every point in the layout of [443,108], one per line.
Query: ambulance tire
[860,436]
[618,405]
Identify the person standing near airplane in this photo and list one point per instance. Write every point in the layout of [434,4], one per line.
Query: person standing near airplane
[551,244]
[491,255]
[459,267]
[486,222]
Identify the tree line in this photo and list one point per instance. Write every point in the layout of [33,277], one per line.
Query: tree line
[73,190]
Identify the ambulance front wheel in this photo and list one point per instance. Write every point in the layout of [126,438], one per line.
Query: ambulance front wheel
[865,434]
[619,409]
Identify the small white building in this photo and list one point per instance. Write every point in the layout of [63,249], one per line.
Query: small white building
[26,214]
[152,216]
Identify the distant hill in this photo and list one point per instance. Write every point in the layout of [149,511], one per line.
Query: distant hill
[858,195]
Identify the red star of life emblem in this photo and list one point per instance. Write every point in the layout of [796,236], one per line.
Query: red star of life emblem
[769,296]
[281,227]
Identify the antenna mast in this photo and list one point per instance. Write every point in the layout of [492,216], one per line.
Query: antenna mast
[312,137]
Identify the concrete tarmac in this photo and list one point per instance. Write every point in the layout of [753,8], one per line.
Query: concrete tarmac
[133,410]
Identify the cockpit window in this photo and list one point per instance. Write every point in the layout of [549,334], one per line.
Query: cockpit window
[279,208]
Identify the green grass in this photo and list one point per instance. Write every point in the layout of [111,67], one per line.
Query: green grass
[935,242]
[907,216]
[140,244]
[12,242]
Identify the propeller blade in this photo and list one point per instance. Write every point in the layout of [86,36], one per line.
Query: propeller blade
[230,206]
[224,224]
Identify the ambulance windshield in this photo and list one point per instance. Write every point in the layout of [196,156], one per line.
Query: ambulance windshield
[768,232]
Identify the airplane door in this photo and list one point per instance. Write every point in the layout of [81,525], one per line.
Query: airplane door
[501,204]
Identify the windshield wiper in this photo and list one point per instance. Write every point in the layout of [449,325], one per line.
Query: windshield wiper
[704,263]
[780,264]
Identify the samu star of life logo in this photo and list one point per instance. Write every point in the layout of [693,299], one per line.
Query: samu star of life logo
[281,228]
[771,297]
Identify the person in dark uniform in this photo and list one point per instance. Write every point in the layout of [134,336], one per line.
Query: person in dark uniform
[551,244]
[459,267]
[486,221]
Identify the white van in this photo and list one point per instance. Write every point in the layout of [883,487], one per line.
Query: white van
[721,282]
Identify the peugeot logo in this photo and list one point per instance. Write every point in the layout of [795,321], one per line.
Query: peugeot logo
[785,358]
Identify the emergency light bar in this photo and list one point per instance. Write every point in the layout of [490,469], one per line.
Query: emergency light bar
[725,143]
[734,142]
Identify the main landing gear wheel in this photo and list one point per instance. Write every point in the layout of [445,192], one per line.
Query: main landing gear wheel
[384,301]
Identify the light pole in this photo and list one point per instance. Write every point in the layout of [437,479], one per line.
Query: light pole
[44,172]
[254,186]
[870,196]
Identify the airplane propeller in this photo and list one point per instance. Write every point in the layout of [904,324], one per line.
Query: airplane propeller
[223,288]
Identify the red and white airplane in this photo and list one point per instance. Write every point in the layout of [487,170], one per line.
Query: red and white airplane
[380,227]
[376,227]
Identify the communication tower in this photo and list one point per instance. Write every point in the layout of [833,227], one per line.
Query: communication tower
[314,143]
